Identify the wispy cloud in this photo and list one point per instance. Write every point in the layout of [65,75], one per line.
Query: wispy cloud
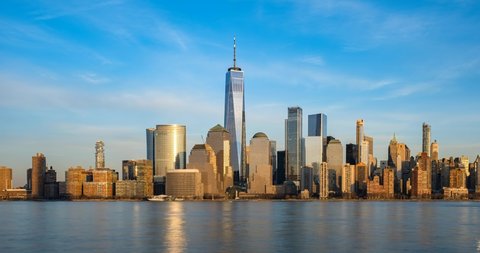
[93,78]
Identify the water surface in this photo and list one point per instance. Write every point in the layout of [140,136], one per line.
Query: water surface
[243,226]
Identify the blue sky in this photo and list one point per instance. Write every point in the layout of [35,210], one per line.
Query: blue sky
[74,72]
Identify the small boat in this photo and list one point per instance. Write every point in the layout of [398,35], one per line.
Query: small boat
[158,198]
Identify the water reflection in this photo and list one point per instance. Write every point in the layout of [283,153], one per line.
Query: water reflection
[175,240]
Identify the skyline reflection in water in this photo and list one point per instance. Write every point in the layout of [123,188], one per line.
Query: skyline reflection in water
[240,226]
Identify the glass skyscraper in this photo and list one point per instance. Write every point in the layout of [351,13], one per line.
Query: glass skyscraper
[169,146]
[293,140]
[234,118]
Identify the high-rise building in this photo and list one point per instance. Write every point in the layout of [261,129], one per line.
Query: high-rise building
[39,167]
[219,139]
[361,178]
[348,180]
[202,157]
[360,139]
[315,142]
[74,178]
[5,178]
[324,187]
[51,188]
[426,139]
[273,155]
[397,154]
[99,155]
[170,148]
[150,132]
[335,163]
[280,173]
[434,151]
[234,118]
[421,177]
[293,143]
[141,173]
[351,153]
[259,165]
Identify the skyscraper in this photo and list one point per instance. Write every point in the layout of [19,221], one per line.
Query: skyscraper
[170,146]
[335,163]
[5,178]
[426,139]
[39,167]
[234,118]
[360,139]
[293,143]
[316,141]
[151,145]
[434,150]
[259,165]
[351,153]
[99,155]
[219,139]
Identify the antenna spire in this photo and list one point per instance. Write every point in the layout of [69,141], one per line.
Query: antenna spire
[234,52]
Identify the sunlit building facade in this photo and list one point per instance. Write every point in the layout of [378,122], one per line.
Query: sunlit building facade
[234,118]
[293,143]
[170,148]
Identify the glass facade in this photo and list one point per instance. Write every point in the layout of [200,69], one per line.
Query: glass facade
[235,119]
[317,125]
[170,148]
[293,140]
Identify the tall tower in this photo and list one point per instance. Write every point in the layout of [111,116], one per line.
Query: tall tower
[99,155]
[219,139]
[170,148]
[317,131]
[426,139]
[39,167]
[360,139]
[293,143]
[234,117]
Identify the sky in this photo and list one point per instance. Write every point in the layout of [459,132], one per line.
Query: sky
[74,72]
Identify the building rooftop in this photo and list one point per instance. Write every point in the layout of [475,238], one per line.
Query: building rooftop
[260,135]
[218,128]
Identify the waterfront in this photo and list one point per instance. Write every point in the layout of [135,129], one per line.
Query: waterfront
[240,226]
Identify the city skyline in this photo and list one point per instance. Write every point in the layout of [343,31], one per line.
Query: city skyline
[69,78]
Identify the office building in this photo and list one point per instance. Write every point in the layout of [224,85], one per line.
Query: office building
[360,139]
[351,153]
[307,178]
[273,155]
[398,153]
[202,158]
[421,177]
[74,178]
[259,165]
[219,139]
[335,163]
[51,188]
[280,173]
[102,184]
[426,139]
[141,173]
[99,155]
[434,151]
[348,180]
[317,126]
[170,148]
[39,167]
[234,118]
[361,178]
[185,184]
[5,178]
[323,184]
[293,143]
[150,134]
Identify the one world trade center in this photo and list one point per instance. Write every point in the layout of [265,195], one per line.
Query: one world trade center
[234,119]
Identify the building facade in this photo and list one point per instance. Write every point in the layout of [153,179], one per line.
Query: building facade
[259,165]
[5,178]
[293,143]
[234,118]
[426,129]
[39,167]
[99,155]
[170,148]
[219,139]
